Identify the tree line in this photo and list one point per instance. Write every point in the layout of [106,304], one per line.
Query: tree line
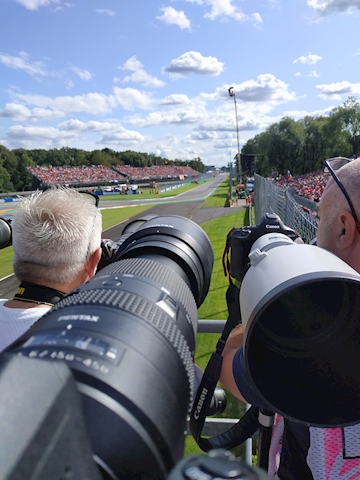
[302,146]
[14,176]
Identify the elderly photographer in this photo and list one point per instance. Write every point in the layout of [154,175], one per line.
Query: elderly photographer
[307,453]
[56,237]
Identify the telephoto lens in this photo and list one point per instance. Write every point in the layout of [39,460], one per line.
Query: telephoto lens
[128,336]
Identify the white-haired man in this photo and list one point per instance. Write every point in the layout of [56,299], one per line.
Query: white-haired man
[56,237]
[309,453]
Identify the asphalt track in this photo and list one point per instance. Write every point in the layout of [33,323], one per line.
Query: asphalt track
[188,205]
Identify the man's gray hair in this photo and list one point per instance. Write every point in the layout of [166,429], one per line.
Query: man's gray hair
[54,233]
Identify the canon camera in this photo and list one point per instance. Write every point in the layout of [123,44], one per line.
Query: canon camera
[241,239]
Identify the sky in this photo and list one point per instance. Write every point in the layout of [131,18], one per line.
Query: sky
[154,75]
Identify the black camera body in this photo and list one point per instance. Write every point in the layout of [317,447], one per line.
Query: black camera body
[241,240]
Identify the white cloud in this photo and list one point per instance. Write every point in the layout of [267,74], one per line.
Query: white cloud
[327,7]
[175,99]
[309,59]
[335,91]
[91,103]
[21,62]
[111,132]
[131,64]
[174,17]
[225,8]
[139,75]
[266,89]
[183,117]
[94,103]
[32,133]
[194,62]
[299,114]
[314,73]
[130,98]
[18,112]
[144,78]
[83,74]
[106,11]
[35,4]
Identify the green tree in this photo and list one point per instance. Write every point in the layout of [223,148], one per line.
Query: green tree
[315,143]
[349,117]
[197,164]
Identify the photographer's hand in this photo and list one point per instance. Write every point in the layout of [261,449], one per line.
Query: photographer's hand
[233,343]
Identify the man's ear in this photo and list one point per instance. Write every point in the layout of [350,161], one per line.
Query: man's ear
[91,264]
[349,231]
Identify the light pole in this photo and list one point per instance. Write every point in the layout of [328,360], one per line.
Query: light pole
[232,94]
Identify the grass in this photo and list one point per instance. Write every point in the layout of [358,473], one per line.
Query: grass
[215,307]
[113,216]
[220,197]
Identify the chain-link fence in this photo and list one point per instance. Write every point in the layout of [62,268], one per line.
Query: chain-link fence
[271,199]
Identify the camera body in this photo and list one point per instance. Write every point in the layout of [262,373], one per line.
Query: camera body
[242,239]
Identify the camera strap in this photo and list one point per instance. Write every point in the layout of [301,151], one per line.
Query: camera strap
[248,424]
[32,293]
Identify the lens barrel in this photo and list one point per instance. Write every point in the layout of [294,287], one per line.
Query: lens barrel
[128,336]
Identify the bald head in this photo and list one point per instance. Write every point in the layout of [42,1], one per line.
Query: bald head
[337,230]
[349,175]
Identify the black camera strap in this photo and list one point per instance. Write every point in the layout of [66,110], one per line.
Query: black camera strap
[248,424]
[32,293]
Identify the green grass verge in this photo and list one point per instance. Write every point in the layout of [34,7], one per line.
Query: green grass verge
[219,197]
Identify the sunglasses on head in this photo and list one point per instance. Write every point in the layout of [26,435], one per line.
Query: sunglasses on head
[333,164]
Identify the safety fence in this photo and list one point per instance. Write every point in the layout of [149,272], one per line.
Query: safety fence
[271,199]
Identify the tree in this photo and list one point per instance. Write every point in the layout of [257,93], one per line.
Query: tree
[197,164]
[349,118]
[315,143]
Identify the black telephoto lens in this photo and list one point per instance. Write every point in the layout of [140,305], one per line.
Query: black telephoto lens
[128,336]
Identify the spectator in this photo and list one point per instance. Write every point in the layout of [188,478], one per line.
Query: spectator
[56,240]
[310,453]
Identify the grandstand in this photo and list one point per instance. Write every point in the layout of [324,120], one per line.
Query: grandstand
[90,176]
[309,185]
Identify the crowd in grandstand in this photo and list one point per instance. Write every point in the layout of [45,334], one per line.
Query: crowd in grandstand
[68,175]
[309,185]
[157,171]
[99,174]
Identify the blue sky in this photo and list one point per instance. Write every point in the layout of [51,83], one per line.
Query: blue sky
[153,76]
